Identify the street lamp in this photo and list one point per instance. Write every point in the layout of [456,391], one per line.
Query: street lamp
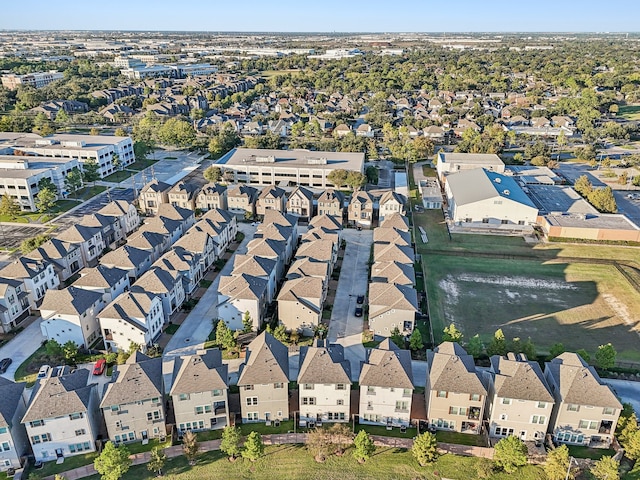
[571,460]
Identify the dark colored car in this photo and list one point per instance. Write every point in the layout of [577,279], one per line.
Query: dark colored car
[360,299]
[4,364]
[98,369]
[358,311]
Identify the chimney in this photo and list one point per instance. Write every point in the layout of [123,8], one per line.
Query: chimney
[511,356]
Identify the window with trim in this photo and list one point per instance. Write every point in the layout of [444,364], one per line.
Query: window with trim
[5,446]
[252,416]
[36,423]
[442,394]
[278,385]
[608,411]
[75,416]
[340,402]
[184,396]
[217,393]
[252,400]
[538,419]
[542,404]
[308,400]
[81,431]
[474,397]
[307,386]
[506,401]
[573,408]
[248,387]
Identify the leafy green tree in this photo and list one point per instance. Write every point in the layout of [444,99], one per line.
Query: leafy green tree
[397,338]
[9,207]
[190,446]
[73,180]
[627,422]
[120,132]
[280,333]
[253,447]
[30,244]
[606,469]
[557,464]
[116,162]
[53,348]
[157,461]
[451,334]
[46,182]
[338,177]
[113,462]
[415,340]
[606,356]
[372,175]
[425,448]
[176,132]
[636,181]
[603,200]
[90,173]
[364,446]
[212,174]
[474,346]
[230,443]
[583,185]
[247,322]
[510,453]
[224,336]
[70,352]
[584,355]
[226,139]
[356,180]
[498,345]
[555,350]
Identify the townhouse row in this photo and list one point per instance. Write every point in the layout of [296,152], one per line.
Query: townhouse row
[66,411]
[301,202]
[393,299]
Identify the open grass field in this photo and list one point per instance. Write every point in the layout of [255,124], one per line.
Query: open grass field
[630,112]
[551,293]
[287,462]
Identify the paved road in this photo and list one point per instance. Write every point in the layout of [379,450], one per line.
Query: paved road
[21,347]
[344,327]
[628,391]
[631,208]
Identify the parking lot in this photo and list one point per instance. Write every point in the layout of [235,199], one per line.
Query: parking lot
[92,206]
[12,235]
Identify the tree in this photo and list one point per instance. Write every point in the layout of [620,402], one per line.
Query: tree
[510,453]
[73,180]
[632,444]
[116,162]
[498,345]
[606,469]
[340,437]
[45,200]
[555,350]
[113,462]
[53,348]
[451,334]
[364,446]
[356,180]
[120,132]
[30,244]
[338,177]
[372,175]
[397,338]
[423,147]
[46,182]
[280,333]
[623,178]
[584,355]
[253,447]
[231,441]
[606,356]
[224,336]
[90,173]
[557,464]
[583,186]
[318,443]
[94,131]
[247,322]
[70,352]
[425,448]
[475,346]
[9,207]
[212,174]
[539,160]
[190,446]
[176,132]
[157,461]
[603,200]
[415,340]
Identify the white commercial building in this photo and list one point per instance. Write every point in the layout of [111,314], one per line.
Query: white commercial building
[448,163]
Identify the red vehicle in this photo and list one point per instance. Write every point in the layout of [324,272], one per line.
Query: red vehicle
[99,367]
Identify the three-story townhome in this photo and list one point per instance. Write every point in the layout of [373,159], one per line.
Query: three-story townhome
[14,445]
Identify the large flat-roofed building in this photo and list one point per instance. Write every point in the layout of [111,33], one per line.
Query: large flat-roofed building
[22,185]
[600,227]
[297,167]
[484,197]
[455,162]
[36,80]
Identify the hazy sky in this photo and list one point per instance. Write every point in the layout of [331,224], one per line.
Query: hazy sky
[324,16]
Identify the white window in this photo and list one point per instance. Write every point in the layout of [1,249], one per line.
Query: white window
[252,416]
[506,401]
[252,400]
[539,419]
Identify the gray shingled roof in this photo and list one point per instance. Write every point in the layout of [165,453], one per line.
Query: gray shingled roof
[155,186]
[140,378]
[199,373]
[318,250]
[272,191]
[23,267]
[393,272]
[273,232]
[331,195]
[387,366]
[578,383]
[519,380]
[146,240]
[69,301]
[329,222]
[180,214]
[324,365]
[243,191]
[157,280]
[53,250]
[128,306]
[395,220]
[267,362]
[78,233]
[253,265]
[384,297]
[59,396]
[242,286]
[391,235]
[211,189]
[126,257]
[279,218]
[100,276]
[308,267]
[10,393]
[194,241]
[116,208]
[451,369]
[265,247]
[218,215]
[306,290]
[393,253]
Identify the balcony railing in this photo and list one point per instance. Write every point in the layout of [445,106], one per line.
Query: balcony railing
[220,410]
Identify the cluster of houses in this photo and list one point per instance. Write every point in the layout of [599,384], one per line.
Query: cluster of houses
[393,299]
[66,412]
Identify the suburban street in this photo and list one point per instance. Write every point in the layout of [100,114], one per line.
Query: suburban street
[344,327]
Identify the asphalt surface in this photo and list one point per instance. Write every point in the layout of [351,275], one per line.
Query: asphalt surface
[21,347]
[12,234]
[92,206]
[344,327]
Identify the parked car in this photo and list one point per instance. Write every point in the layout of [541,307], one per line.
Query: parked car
[44,371]
[360,299]
[100,366]
[358,311]
[4,364]
[633,196]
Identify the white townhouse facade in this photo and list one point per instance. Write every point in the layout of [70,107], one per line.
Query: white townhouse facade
[13,437]
[38,277]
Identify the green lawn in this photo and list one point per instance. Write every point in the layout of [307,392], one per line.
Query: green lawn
[118,176]
[383,432]
[62,206]
[460,438]
[288,462]
[90,191]
[51,468]
[139,165]
[171,329]
[28,370]
[18,219]
[630,112]
[592,453]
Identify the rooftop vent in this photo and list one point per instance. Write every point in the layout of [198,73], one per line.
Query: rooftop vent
[497,180]
[316,160]
[507,192]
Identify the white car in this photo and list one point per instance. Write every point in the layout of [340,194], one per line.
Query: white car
[633,196]
[44,370]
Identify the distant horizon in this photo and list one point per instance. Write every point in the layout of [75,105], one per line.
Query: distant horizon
[332,16]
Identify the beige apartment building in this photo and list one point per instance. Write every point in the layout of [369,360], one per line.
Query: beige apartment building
[264,381]
[331,202]
[300,304]
[133,404]
[455,395]
[200,392]
[184,195]
[212,196]
[152,195]
[300,203]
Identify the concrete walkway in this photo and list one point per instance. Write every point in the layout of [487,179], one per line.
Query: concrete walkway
[344,327]
[195,329]
[22,346]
